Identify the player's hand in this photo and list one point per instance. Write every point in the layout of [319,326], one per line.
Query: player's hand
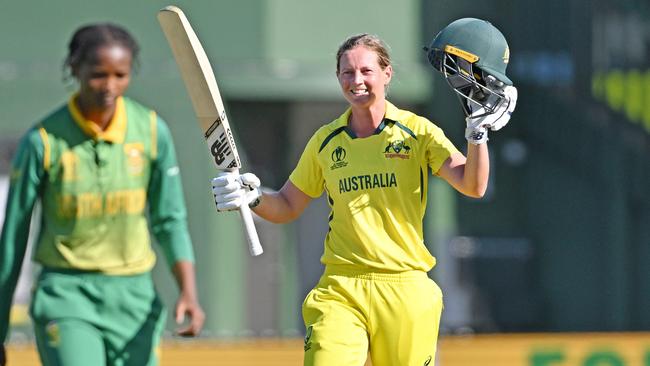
[478,122]
[231,190]
[190,307]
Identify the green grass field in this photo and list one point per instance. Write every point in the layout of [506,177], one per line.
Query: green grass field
[551,349]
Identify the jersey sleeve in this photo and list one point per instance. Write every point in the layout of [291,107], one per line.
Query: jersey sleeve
[27,172]
[308,174]
[439,148]
[167,211]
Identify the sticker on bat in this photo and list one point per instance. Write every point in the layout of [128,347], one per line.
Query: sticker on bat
[216,124]
[222,148]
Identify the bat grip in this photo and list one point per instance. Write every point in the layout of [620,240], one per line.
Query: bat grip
[251,234]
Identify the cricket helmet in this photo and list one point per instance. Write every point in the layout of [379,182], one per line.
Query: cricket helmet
[472,55]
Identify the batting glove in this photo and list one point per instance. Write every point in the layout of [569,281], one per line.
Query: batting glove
[231,190]
[478,122]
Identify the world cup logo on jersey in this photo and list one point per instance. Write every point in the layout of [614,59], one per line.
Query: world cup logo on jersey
[338,154]
[338,157]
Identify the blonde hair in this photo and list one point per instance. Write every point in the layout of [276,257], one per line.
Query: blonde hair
[369,41]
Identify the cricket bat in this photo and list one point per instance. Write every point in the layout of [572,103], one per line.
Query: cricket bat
[202,88]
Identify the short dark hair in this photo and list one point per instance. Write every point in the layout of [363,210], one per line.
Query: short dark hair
[88,38]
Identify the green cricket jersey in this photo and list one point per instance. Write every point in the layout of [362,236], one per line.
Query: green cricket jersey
[96,189]
[376,188]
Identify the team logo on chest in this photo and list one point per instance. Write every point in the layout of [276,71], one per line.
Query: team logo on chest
[397,149]
[338,158]
[134,158]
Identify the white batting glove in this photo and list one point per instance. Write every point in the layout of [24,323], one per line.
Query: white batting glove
[477,127]
[231,190]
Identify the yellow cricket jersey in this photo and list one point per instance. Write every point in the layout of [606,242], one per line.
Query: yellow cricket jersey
[376,188]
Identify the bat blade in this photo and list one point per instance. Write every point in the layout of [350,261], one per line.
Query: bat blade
[203,90]
[201,85]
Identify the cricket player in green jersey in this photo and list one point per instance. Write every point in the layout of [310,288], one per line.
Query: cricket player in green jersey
[99,165]
[372,162]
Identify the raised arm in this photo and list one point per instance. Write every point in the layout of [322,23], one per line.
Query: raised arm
[231,190]
[468,176]
[284,205]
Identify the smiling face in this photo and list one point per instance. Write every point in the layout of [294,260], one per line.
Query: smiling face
[104,77]
[362,79]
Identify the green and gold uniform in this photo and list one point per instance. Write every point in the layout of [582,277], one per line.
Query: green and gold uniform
[95,294]
[375,287]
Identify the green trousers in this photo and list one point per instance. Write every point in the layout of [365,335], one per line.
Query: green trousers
[83,318]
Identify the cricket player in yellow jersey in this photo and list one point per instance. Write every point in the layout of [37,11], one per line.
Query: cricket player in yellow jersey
[373,163]
[101,165]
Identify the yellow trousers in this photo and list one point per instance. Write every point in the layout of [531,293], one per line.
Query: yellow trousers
[394,316]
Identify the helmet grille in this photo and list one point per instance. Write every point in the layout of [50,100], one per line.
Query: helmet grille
[474,87]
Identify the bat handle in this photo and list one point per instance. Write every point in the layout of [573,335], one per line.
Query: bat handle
[251,233]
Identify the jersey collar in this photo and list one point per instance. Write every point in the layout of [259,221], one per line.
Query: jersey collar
[391,116]
[392,113]
[116,127]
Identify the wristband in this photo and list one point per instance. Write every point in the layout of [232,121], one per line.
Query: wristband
[255,203]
